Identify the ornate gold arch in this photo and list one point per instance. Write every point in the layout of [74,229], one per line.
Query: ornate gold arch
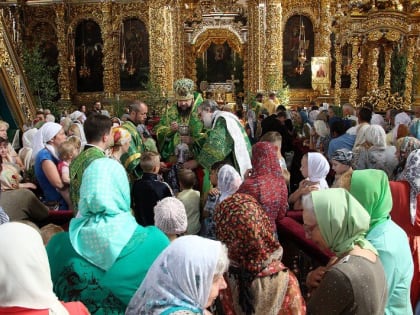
[217,36]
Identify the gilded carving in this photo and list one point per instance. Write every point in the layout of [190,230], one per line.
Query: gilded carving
[373,73]
[388,56]
[273,48]
[337,86]
[356,62]
[63,53]
[411,41]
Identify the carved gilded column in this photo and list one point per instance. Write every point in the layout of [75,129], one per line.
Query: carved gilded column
[373,71]
[63,53]
[108,60]
[260,28]
[160,60]
[273,69]
[388,56]
[252,50]
[178,31]
[170,50]
[325,29]
[338,62]
[411,50]
[354,70]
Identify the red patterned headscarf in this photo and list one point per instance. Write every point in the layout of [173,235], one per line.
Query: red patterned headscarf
[266,183]
[244,227]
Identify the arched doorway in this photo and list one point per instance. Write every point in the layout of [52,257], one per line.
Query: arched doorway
[218,57]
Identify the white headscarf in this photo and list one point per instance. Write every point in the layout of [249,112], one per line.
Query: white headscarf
[228,181]
[377,119]
[48,131]
[25,270]
[321,128]
[240,148]
[181,276]
[82,134]
[318,169]
[400,119]
[28,136]
[376,136]
[411,174]
[75,115]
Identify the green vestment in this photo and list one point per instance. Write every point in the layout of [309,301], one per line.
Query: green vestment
[219,146]
[131,159]
[77,168]
[168,140]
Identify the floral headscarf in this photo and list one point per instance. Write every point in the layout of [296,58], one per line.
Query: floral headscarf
[342,156]
[266,183]
[119,136]
[411,174]
[244,227]
[342,220]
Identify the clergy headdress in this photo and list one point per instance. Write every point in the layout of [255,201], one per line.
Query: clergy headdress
[184,89]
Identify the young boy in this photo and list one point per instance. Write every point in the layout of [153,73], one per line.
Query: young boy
[170,217]
[209,226]
[148,190]
[190,198]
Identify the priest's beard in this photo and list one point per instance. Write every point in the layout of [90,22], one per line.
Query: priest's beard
[184,112]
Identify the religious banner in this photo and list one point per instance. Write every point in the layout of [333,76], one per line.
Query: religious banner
[320,67]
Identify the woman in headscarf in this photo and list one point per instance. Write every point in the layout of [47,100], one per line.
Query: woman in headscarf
[105,255]
[266,182]
[356,283]
[44,150]
[404,147]
[258,282]
[321,137]
[341,164]
[185,279]
[26,286]
[406,213]
[25,153]
[374,153]
[228,181]
[76,129]
[314,168]
[120,142]
[371,189]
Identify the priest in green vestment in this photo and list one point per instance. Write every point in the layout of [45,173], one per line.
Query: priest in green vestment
[226,140]
[97,129]
[180,122]
[131,160]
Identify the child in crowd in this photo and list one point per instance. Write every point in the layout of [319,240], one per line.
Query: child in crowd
[275,138]
[190,198]
[67,152]
[314,168]
[341,164]
[171,217]
[151,187]
[48,231]
[208,226]
[76,142]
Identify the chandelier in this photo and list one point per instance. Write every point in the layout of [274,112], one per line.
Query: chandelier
[84,70]
[303,46]
[123,59]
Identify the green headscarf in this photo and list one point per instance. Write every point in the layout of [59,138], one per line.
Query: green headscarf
[341,219]
[371,188]
[106,223]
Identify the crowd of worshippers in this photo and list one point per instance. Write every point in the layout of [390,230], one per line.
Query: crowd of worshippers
[187,216]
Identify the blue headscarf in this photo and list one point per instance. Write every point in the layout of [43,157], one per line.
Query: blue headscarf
[415,129]
[106,223]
